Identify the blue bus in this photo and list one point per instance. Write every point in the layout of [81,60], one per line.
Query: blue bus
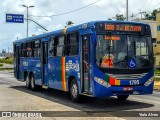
[97,59]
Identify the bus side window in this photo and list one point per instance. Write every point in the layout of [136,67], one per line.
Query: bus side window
[51,47]
[56,46]
[60,45]
[23,50]
[36,48]
[72,44]
[29,49]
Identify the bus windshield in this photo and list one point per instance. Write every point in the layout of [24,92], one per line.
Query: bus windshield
[124,51]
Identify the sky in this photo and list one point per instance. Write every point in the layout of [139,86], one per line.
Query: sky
[102,10]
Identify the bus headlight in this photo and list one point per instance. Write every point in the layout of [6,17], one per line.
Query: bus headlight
[102,82]
[148,82]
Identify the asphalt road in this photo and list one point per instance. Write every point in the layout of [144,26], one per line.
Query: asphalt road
[15,97]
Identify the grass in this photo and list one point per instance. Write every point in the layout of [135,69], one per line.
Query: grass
[157,72]
[156,79]
[8,60]
[1,65]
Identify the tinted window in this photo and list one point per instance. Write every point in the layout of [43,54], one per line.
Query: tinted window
[72,44]
[60,46]
[23,50]
[29,49]
[56,46]
[36,48]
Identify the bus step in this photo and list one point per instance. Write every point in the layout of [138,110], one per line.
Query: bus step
[45,86]
[87,94]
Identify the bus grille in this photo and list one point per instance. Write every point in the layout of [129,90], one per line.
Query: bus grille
[127,76]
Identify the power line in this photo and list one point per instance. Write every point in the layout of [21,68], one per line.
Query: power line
[37,24]
[69,11]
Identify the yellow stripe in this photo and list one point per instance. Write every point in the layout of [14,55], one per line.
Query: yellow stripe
[63,74]
[64,31]
[117,82]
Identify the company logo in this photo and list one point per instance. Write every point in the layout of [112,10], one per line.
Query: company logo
[20,114]
[6,114]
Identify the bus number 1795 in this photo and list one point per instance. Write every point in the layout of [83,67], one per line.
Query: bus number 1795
[134,82]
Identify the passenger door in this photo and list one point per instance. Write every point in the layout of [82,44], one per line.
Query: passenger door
[55,61]
[44,62]
[86,69]
[17,62]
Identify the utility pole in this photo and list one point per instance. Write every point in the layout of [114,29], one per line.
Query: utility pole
[142,13]
[132,16]
[27,15]
[127,10]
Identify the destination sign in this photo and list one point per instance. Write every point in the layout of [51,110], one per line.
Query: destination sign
[112,37]
[121,27]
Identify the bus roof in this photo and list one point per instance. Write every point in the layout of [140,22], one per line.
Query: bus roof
[74,28]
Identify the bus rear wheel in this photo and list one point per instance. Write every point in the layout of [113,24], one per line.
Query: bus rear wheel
[33,86]
[74,91]
[28,84]
[122,97]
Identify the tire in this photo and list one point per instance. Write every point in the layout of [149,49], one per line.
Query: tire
[28,83]
[74,91]
[33,86]
[122,97]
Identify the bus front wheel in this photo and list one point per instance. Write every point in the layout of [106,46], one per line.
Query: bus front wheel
[74,92]
[122,97]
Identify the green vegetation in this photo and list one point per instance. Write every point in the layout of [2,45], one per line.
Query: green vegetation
[119,17]
[156,79]
[157,72]
[151,16]
[7,60]
[1,65]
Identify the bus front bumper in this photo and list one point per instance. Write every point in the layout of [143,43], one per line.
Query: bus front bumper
[101,91]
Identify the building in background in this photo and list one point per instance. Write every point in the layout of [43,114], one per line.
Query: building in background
[157,49]
[153,25]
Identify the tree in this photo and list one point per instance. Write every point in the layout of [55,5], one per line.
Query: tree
[152,16]
[147,16]
[69,23]
[3,51]
[154,13]
[120,17]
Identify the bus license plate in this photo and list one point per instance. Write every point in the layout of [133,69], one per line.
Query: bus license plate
[127,88]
